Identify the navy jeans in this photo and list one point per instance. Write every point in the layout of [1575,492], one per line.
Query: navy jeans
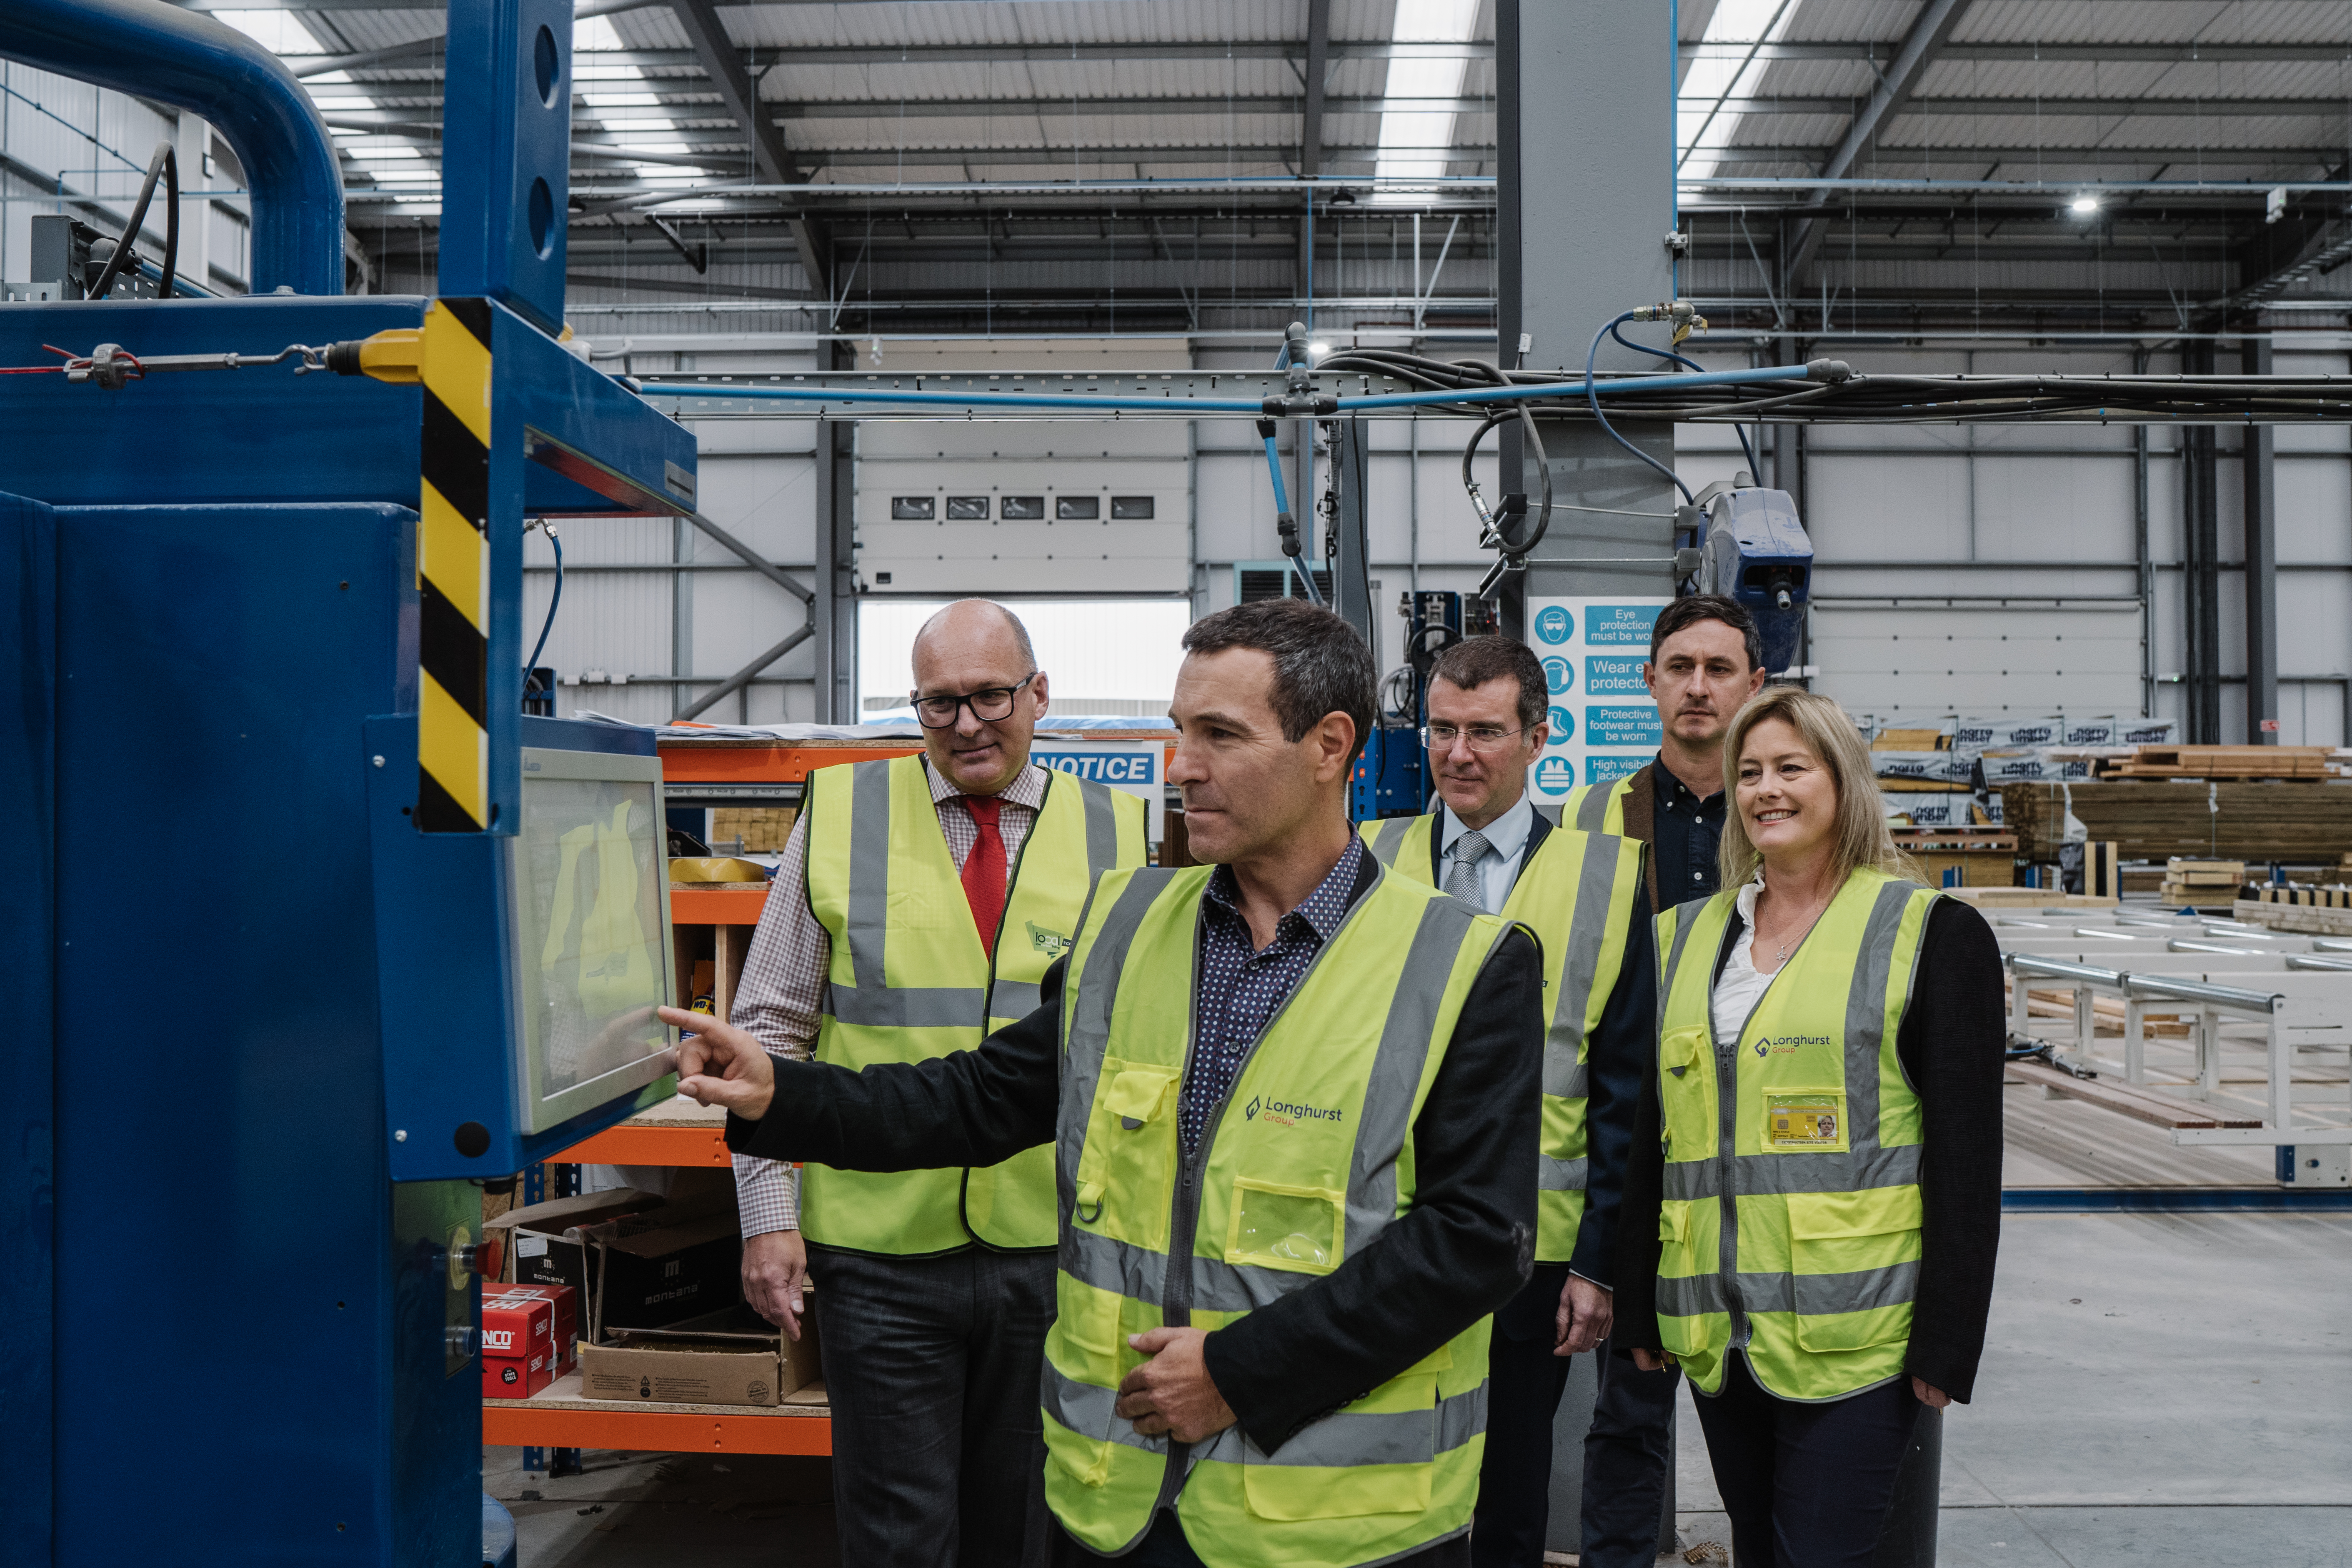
[1628,1452]
[1807,1486]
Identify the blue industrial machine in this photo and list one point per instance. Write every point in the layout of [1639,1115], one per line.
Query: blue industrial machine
[310,931]
[1754,549]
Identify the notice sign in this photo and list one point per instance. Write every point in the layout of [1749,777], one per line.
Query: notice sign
[1603,724]
[1135,767]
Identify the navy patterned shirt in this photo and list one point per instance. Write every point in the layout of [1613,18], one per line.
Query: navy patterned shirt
[1241,987]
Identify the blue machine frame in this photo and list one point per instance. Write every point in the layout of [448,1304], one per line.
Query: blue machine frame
[220,998]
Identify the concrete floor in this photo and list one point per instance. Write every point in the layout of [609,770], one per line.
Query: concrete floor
[2157,1389]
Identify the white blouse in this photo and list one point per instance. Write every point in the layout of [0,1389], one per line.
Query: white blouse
[1739,987]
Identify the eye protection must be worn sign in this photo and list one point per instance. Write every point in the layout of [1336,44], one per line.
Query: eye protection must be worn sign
[1603,724]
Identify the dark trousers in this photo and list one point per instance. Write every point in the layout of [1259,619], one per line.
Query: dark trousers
[1164,1546]
[1629,1451]
[1524,1383]
[1807,1486]
[932,1365]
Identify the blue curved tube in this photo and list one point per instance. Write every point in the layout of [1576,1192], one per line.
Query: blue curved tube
[1274,466]
[1114,404]
[188,60]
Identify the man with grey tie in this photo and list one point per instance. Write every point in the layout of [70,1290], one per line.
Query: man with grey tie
[1581,894]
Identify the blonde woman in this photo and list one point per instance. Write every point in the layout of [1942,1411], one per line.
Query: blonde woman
[1822,1173]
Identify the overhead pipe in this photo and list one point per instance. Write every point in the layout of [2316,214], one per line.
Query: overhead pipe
[188,60]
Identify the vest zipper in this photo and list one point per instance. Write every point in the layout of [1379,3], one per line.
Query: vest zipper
[1183,1223]
[1727,1094]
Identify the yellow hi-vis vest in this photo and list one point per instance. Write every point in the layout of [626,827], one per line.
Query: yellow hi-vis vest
[910,981]
[1303,1166]
[1791,1216]
[1576,896]
[1598,807]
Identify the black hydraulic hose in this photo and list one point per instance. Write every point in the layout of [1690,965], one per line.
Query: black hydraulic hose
[166,163]
[1755,469]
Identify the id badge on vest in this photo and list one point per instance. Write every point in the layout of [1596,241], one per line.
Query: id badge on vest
[1814,1120]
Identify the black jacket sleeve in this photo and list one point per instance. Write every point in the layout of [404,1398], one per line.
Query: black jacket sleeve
[1950,1047]
[968,1107]
[1636,1326]
[1464,1248]
[1623,1052]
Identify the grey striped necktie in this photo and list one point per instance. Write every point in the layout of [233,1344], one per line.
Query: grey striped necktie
[1463,881]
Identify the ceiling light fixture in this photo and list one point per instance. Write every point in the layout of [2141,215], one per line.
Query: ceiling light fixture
[2083,206]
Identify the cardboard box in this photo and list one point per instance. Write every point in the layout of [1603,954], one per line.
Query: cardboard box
[723,1358]
[563,1325]
[552,1218]
[649,1271]
[517,1344]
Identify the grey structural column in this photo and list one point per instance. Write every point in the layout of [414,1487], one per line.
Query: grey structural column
[2201,595]
[1585,137]
[1351,570]
[2258,449]
[1585,133]
[837,573]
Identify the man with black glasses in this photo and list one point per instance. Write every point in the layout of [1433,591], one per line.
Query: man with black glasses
[1580,892]
[915,908]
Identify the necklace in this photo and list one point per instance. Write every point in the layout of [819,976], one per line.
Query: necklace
[1781,957]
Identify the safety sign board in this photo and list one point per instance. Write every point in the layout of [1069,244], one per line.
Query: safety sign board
[1138,767]
[1603,724]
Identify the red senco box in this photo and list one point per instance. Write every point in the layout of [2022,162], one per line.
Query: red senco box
[563,1330]
[517,1342]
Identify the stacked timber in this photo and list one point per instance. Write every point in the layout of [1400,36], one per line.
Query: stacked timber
[2219,762]
[2203,881]
[2151,819]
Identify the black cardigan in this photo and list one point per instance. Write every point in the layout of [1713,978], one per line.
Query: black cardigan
[1950,1045]
[1464,1249]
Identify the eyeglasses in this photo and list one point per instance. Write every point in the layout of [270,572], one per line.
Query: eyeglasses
[1485,738]
[988,704]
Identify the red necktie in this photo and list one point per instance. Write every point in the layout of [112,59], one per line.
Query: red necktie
[983,870]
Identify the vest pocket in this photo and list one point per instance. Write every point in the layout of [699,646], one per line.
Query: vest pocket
[1686,1068]
[1681,1334]
[1129,1160]
[1277,1227]
[1853,1256]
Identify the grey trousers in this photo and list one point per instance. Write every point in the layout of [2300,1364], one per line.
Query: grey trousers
[932,1365]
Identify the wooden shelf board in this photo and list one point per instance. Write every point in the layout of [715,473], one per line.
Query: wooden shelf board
[717,906]
[632,1144]
[558,1417]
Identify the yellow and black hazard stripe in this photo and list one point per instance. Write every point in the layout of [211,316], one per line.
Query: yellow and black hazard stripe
[453,571]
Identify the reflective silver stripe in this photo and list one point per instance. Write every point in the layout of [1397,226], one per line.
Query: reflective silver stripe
[1102,823]
[1569,1080]
[1810,1295]
[1395,1075]
[1549,813]
[1087,1003]
[1561,1175]
[908,1007]
[1686,917]
[1690,1294]
[1588,931]
[1014,999]
[868,918]
[1124,1268]
[1091,1411]
[1345,1438]
[1865,1014]
[1389,842]
[1592,806]
[1810,1171]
